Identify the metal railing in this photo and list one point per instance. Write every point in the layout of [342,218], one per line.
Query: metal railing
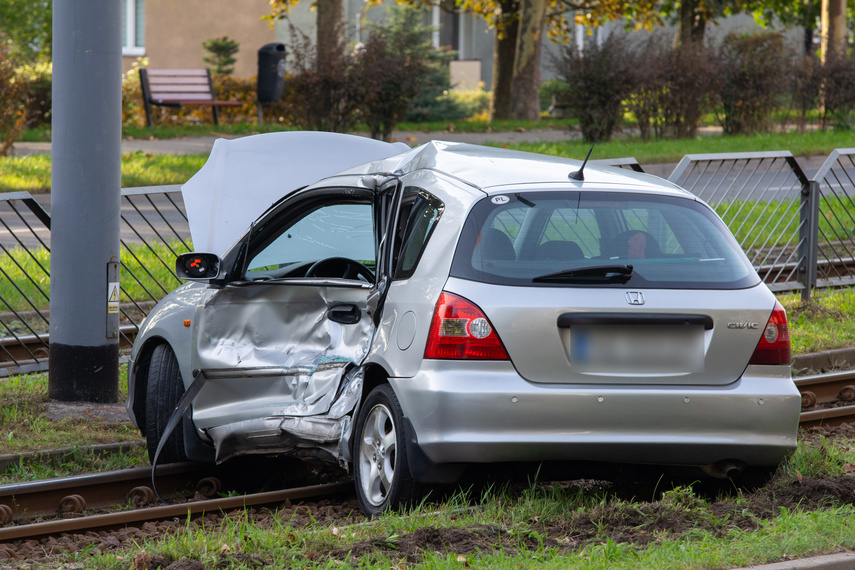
[835,220]
[24,283]
[154,230]
[767,202]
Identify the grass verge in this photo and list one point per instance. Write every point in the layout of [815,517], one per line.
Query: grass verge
[32,173]
[663,151]
[25,426]
[826,322]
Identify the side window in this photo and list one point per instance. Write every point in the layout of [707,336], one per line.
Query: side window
[420,212]
[333,230]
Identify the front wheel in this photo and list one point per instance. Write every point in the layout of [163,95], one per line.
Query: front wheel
[163,391]
[383,479]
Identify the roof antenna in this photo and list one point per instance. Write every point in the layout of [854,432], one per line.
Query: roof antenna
[579,174]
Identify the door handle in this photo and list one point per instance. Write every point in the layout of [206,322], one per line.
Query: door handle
[345,313]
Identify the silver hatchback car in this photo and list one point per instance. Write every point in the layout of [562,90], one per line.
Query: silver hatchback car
[404,313]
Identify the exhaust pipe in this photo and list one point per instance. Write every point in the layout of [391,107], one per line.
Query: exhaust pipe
[724,469]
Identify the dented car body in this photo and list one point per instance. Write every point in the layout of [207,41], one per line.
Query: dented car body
[404,313]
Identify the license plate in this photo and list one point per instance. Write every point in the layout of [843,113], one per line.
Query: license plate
[637,349]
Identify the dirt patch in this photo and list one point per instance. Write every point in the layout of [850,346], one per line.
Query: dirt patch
[637,523]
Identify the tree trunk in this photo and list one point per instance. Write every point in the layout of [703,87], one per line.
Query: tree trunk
[503,65]
[693,22]
[525,96]
[833,29]
[330,33]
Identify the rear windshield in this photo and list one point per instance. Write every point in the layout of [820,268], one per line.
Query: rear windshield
[599,239]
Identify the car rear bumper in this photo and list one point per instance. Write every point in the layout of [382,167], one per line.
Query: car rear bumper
[485,412]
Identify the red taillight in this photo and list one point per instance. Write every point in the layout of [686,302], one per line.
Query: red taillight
[774,345]
[461,331]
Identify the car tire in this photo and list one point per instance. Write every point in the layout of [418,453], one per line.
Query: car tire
[163,391]
[381,468]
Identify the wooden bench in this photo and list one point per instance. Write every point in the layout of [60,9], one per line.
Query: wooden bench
[179,87]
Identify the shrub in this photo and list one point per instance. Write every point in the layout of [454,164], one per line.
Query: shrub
[320,99]
[837,93]
[38,77]
[550,92]
[13,101]
[753,73]
[804,91]
[675,89]
[472,102]
[595,78]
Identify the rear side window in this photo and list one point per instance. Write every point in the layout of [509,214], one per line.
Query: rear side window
[599,239]
[419,214]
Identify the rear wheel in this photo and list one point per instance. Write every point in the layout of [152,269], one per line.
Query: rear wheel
[383,479]
[163,391]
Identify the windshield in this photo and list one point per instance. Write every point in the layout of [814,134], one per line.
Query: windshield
[616,239]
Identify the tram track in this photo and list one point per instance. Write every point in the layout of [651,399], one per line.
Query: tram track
[107,501]
[827,399]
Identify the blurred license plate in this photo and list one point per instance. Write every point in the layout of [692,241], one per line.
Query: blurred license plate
[637,349]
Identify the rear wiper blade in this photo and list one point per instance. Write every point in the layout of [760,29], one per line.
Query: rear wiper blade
[612,273]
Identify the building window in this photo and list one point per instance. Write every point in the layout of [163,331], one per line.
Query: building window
[133,27]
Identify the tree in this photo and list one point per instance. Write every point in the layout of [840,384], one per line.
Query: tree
[789,13]
[329,36]
[393,67]
[833,29]
[221,51]
[27,24]
[525,100]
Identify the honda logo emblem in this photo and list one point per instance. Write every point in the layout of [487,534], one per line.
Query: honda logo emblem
[634,298]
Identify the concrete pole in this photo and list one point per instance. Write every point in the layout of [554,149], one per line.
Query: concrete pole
[86,157]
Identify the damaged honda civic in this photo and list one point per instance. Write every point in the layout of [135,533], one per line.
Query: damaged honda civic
[404,313]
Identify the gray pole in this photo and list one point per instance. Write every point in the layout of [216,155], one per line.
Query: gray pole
[86,134]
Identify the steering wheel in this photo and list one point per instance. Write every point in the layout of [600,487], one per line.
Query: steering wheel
[342,267]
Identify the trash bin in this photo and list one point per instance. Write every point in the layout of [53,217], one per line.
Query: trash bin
[271,72]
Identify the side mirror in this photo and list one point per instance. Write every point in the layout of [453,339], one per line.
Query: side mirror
[197,266]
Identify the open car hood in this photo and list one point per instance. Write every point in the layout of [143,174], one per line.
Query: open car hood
[244,176]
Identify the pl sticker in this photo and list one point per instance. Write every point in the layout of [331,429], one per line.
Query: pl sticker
[501,199]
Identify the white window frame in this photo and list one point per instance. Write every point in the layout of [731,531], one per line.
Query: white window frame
[129,47]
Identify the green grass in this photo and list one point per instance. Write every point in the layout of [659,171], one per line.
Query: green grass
[662,151]
[24,426]
[32,172]
[826,322]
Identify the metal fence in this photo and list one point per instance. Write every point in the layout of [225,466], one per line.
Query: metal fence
[799,234]
[835,221]
[24,283]
[154,230]
[766,201]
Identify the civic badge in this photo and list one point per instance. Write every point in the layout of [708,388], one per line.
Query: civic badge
[634,297]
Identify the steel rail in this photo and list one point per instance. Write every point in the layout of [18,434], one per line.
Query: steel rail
[180,511]
[21,502]
[826,390]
